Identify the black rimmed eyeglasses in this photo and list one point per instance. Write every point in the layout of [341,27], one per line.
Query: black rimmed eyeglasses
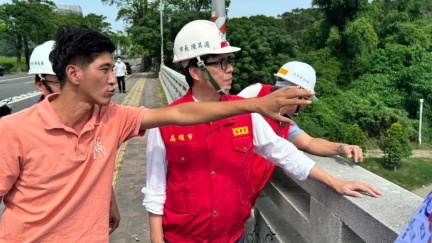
[223,63]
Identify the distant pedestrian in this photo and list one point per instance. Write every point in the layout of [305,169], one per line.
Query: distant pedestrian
[120,72]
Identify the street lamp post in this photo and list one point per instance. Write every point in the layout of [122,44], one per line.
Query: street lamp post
[420,121]
[161,29]
[218,16]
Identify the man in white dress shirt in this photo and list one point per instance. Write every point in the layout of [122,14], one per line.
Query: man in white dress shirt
[120,72]
[199,185]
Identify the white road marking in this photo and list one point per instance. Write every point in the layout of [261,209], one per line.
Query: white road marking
[24,96]
[9,79]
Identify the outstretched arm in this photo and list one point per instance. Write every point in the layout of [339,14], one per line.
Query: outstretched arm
[322,147]
[193,113]
[349,188]
[284,154]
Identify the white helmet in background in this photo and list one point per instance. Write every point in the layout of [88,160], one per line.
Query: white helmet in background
[39,59]
[297,74]
[199,38]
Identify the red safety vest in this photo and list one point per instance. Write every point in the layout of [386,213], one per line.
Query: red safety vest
[209,188]
[262,168]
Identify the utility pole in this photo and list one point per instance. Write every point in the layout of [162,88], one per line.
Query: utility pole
[420,120]
[161,29]
[218,16]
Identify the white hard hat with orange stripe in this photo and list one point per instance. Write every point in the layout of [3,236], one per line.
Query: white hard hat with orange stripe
[298,74]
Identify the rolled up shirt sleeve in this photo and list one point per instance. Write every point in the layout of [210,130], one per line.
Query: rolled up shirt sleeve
[279,151]
[155,192]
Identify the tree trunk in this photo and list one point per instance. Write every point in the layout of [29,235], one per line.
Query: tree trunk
[18,47]
[142,63]
[27,53]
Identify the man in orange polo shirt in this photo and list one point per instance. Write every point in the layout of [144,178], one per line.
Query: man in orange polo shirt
[57,157]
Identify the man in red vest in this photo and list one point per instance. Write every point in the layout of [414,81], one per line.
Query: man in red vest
[293,74]
[199,178]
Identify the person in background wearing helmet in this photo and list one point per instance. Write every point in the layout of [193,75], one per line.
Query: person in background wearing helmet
[303,75]
[47,83]
[57,157]
[199,186]
[120,72]
[46,80]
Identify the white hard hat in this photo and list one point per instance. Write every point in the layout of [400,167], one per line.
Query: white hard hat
[39,59]
[298,74]
[198,38]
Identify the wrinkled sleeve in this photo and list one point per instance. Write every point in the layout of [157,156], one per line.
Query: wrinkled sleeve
[294,131]
[251,91]
[10,157]
[279,151]
[155,192]
[129,121]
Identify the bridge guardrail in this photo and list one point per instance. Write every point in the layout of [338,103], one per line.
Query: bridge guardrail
[294,211]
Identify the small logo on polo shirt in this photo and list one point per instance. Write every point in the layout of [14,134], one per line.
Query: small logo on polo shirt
[98,149]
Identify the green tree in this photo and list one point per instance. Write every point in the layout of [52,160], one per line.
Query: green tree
[395,146]
[98,23]
[26,21]
[354,135]
[361,40]
[265,47]
[339,12]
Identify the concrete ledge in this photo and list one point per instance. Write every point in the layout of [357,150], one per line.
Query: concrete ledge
[296,211]
[321,215]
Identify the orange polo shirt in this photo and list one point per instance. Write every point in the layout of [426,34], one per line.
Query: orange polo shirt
[57,183]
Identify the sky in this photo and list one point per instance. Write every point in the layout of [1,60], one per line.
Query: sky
[238,8]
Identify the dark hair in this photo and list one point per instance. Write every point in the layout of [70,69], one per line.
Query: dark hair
[118,57]
[38,79]
[194,63]
[77,47]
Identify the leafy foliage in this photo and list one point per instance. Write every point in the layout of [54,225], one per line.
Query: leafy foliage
[354,135]
[395,146]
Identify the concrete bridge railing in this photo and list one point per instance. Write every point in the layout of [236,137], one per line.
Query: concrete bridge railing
[173,83]
[293,211]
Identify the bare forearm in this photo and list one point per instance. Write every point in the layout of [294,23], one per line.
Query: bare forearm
[321,147]
[156,230]
[113,199]
[321,176]
[349,188]
[193,113]
[203,112]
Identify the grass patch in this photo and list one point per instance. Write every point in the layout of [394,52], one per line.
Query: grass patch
[423,146]
[162,93]
[10,64]
[413,173]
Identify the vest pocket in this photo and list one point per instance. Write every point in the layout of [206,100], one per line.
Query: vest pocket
[179,169]
[182,202]
[181,154]
[242,144]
